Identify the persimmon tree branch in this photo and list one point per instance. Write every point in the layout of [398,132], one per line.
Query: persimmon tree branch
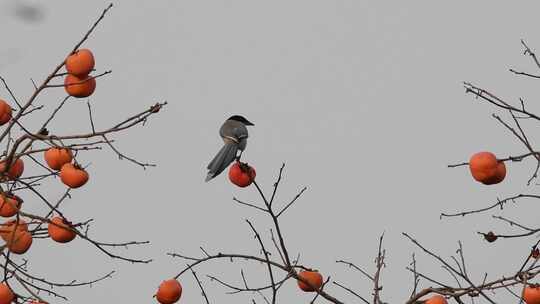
[286,265]
[53,74]
[472,290]
[460,283]
[374,278]
[500,204]
[22,143]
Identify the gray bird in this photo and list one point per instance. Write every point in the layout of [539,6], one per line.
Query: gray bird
[234,134]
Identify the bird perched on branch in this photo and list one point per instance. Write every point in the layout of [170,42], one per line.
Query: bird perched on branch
[234,134]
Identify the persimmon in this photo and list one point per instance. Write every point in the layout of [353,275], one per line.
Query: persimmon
[59,230]
[5,112]
[313,277]
[500,174]
[169,292]
[80,63]
[57,157]
[79,87]
[6,295]
[19,242]
[531,294]
[73,176]
[436,299]
[241,174]
[16,169]
[485,168]
[6,229]
[9,205]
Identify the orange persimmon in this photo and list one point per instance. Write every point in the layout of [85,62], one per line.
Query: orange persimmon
[6,295]
[16,169]
[531,294]
[313,277]
[57,157]
[6,229]
[436,299]
[59,230]
[485,168]
[19,242]
[5,112]
[9,205]
[73,176]
[241,174]
[79,87]
[169,292]
[80,63]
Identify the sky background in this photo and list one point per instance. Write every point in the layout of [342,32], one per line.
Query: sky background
[362,100]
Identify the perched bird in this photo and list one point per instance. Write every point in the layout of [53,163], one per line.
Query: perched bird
[234,134]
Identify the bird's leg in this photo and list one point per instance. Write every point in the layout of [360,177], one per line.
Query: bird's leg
[239,156]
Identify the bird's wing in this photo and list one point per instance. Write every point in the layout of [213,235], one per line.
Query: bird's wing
[240,132]
[233,129]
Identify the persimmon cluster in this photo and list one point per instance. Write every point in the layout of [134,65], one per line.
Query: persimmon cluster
[56,154]
[15,232]
[78,82]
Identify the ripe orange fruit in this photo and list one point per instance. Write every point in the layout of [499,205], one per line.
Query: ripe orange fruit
[16,169]
[500,174]
[241,174]
[169,292]
[9,205]
[79,87]
[531,294]
[436,299]
[5,112]
[6,229]
[59,232]
[19,242]
[6,295]
[57,157]
[80,63]
[313,277]
[73,176]
[485,168]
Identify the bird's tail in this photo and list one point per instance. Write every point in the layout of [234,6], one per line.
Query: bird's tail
[222,160]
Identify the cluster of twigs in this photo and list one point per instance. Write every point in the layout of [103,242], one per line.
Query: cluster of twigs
[286,267]
[513,283]
[21,142]
[465,288]
[517,113]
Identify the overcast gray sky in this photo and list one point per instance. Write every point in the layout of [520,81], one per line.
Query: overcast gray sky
[362,99]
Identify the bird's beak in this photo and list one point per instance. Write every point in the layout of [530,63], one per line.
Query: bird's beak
[248,123]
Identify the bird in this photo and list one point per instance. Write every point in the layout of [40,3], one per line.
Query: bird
[234,134]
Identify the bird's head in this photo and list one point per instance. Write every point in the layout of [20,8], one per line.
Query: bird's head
[241,119]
